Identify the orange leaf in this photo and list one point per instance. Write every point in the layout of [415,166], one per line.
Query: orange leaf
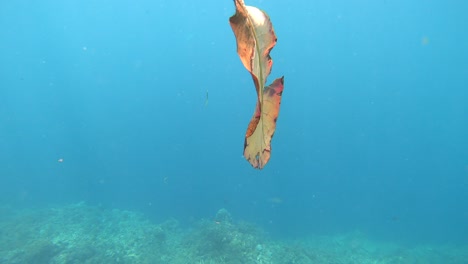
[255,39]
[257,146]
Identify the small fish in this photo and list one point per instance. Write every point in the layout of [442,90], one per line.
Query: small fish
[206,98]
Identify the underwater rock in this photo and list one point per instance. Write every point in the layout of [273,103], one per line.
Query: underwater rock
[223,216]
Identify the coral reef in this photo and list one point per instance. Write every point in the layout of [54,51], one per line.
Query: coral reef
[80,233]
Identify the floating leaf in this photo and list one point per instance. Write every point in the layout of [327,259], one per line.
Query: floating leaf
[255,39]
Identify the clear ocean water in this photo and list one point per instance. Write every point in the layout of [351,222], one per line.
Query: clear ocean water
[142,106]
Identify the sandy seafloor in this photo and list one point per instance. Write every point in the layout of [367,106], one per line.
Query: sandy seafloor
[79,233]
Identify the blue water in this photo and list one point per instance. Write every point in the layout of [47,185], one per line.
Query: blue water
[372,133]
